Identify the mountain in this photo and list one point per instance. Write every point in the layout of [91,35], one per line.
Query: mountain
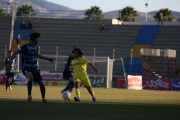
[141,16]
[36,4]
[44,8]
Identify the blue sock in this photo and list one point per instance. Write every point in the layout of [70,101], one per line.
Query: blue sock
[67,87]
[43,91]
[71,86]
[29,87]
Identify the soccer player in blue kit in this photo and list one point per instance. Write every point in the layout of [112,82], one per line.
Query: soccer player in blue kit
[9,73]
[30,54]
[68,74]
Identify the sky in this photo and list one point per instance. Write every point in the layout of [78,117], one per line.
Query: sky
[110,5]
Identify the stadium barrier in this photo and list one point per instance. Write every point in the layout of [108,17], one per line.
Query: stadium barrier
[54,79]
[151,83]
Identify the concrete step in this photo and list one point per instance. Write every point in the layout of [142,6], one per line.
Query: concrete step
[80,29]
[66,36]
[166,39]
[162,46]
[85,45]
[169,42]
[87,41]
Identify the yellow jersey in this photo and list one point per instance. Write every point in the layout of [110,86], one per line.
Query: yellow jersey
[80,66]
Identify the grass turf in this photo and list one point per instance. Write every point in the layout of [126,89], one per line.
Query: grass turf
[112,104]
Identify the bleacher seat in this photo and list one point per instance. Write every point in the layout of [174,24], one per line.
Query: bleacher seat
[24,33]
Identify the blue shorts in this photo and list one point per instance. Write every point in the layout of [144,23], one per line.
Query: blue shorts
[9,74]
[36,75]
[68,76]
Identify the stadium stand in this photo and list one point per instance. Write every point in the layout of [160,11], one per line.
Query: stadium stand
[85,34]
[66,33]
[5,30]
[144,40]
[168,37]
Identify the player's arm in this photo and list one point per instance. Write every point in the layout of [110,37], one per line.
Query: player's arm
[45,58]
[8,66]
[96,70]
[69,69]
[15,65]
[71,55]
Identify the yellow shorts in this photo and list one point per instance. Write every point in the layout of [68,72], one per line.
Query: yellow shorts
[83,80]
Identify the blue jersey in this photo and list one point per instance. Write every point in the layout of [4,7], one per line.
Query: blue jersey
[29,56]
[12,65]
[69,64]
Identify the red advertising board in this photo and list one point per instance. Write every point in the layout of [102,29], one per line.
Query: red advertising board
[135,82]
[157,84]
[52,76]
[2,79]
[120,82]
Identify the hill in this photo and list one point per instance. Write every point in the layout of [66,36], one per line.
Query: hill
[47,9]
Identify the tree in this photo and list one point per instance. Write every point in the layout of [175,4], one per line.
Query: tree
[128,14]
[94,13]
[2,13]
[167,15]
[26,11]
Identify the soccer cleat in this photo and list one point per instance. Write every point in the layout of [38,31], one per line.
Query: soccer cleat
[10,87]
[94,99]
[77,99]
[29,99]
[69,99]
[44,101]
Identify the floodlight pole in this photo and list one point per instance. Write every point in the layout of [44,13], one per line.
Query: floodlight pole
[56,58]
[113,53]
[131,59]
[94,55]
[146,4]
[124,72]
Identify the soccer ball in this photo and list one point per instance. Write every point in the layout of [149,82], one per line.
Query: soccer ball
[66,95]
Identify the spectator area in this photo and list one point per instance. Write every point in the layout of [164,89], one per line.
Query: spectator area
[24,34]
[144,39]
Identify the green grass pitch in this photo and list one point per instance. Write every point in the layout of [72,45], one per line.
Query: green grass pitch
[112,104]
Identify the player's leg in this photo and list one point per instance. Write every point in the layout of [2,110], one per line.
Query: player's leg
[38,79]
[30,78]
[11,80]
[70,85]
[77,83]
[7,81]
[87,85]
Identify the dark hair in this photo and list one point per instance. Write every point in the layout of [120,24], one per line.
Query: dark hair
[9,51]
[34,35]
[78,50]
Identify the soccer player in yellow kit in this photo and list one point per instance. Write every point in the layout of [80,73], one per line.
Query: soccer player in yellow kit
[79,65]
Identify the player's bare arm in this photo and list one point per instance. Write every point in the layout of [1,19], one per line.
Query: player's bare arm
[71,56]
[45,58]
[68,68]
[96,70]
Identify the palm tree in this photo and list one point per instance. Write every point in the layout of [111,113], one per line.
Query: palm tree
[128,14]
[26,11]
[2,13]
[94,13]
[167,15]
